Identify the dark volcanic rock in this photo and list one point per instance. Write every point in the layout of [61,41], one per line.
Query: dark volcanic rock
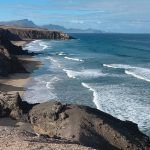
[86,126]
[32,33]
[8,35]
[9,64]
[9,105]
[12,49]
[12,106]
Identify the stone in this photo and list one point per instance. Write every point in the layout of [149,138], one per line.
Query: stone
[87,126]
[11,105]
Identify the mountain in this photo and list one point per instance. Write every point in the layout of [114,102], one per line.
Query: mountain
[30,24]
[70,30]
[20,23]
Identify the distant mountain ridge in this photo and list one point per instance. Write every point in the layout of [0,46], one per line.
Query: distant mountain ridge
[20,23]
[30,24]
[70,30]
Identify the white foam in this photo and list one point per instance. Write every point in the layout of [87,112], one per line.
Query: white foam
[117,66]
[74,59]
[137,72]
[61,54]
[122,102]
[140,73]
[36,46]
[42,89]
[69,73]
[54,63]
[87,73]
[95,96]
[43,45]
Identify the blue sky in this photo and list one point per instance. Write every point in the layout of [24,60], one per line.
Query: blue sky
[107,15]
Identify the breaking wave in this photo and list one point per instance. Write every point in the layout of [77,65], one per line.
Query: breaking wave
[137,72]
[74,59]
[87,73]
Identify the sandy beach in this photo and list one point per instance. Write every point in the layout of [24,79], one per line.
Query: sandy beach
[16,82]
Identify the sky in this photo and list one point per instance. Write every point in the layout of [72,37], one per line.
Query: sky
[124,16]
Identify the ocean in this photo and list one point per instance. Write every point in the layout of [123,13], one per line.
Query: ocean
[110,72]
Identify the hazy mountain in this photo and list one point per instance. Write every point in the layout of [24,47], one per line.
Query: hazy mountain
[20,23]
[71,30]
[30,24]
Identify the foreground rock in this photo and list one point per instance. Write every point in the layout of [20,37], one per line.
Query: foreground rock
[71,124]
[12,106]
[14,139]
[86,126]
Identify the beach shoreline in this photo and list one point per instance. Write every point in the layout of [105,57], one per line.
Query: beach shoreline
[16,82]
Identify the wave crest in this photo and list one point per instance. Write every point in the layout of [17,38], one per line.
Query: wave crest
[137,72]
[74,59]
[37,45]
[87,73]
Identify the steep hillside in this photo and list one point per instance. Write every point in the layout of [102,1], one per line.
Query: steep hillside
[32,33]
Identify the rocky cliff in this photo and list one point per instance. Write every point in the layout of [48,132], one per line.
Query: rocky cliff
[8,35]
[75,124]
[15,33]
[8,62]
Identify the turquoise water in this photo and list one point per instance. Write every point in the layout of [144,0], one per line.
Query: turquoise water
[110,72]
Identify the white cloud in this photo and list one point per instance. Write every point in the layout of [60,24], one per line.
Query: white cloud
[77,21]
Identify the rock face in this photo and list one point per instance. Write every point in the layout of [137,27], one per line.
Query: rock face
[32,33]
[75,124]
[8,62]
[8,35]
[86,126]
[12,106]
[12,49]
[9,105]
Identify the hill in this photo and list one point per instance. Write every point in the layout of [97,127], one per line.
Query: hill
[30,24]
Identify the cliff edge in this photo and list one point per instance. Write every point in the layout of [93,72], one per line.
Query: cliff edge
[17,33]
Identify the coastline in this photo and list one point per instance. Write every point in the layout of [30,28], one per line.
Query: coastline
[16,82]
[28,123]
[22,134]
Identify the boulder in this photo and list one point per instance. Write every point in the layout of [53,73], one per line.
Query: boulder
[11,105]
[87,126]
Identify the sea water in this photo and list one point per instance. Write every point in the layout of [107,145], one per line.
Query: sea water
[110,72]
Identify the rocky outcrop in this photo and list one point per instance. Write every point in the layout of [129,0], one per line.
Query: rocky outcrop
[75,124]
[11,105]
[86,126]
[8,35]
[32,33]
[11,48]
[8,62]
